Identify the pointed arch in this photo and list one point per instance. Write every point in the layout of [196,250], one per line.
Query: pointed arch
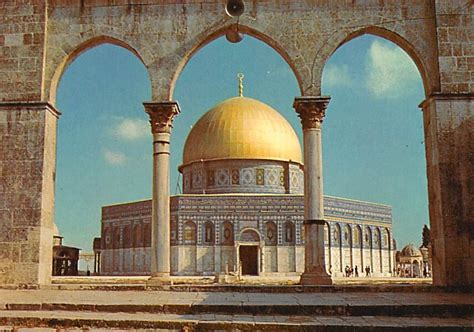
[429,80]
[75,52]
[205,38]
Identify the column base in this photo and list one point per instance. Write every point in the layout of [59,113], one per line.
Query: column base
[315,278]
[159,279]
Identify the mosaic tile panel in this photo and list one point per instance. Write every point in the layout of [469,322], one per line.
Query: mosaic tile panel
[260,176]
[222,177]
[210,177]
[247,175]
[197,179]
[235,176]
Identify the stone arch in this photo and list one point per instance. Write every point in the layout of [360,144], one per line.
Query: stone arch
[207,37]
[335,42]
[250,235]
[72,53]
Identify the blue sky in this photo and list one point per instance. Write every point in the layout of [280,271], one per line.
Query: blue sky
[373,145]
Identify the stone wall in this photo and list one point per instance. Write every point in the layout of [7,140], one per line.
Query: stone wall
[23,26]
[27,171]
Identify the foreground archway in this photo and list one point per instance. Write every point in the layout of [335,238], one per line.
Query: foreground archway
[26,213]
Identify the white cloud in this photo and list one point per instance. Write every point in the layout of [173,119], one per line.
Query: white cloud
[114,158]
[131,129]
[390,71]
[336,75]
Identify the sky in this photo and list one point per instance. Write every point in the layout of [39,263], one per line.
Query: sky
[373,146]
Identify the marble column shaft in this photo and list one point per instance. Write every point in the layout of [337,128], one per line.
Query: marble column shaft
[311,110]
[161,119]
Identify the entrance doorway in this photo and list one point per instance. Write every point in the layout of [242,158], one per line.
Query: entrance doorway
[249,260]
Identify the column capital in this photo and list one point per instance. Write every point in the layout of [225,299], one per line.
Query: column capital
[311,110]
[162,115]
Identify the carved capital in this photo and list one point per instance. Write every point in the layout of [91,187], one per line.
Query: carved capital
[162,115]
[311,110]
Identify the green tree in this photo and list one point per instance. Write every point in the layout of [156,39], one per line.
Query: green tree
[426,240]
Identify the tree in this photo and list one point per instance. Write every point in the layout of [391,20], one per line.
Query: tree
[426,240]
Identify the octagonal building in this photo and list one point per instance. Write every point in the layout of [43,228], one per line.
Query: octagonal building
[242,205]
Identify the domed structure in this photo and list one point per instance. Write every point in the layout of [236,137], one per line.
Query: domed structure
[241,211]
[410,251]
[242,146]
[410,261]
[242,128]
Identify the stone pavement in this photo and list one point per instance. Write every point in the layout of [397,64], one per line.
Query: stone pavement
[358,311]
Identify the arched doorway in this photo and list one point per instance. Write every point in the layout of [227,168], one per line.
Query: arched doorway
[249,252]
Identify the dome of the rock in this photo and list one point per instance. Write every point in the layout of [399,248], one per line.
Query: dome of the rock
[242,128]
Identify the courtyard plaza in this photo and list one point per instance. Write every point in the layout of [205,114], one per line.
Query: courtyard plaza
[197,303]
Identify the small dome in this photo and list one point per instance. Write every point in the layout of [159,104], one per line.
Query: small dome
[410,251]
[242,128]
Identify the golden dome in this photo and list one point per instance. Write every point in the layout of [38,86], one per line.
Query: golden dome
[242,128]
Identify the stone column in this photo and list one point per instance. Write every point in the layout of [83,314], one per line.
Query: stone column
[161,119]
[311,110]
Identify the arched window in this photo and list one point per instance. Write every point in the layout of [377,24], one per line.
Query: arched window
[209,233]
[347,235]
[117,238]
[368,237]
[357,236]
[271,235]
[289,232]
[227,234]
[189,232]
[386,236]
[127,236]
[137,236]
[107,238]
[147,235]
[377,239]
[337,235]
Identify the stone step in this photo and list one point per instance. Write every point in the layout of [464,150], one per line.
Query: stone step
[258,308]
[249,288]
[16,320]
